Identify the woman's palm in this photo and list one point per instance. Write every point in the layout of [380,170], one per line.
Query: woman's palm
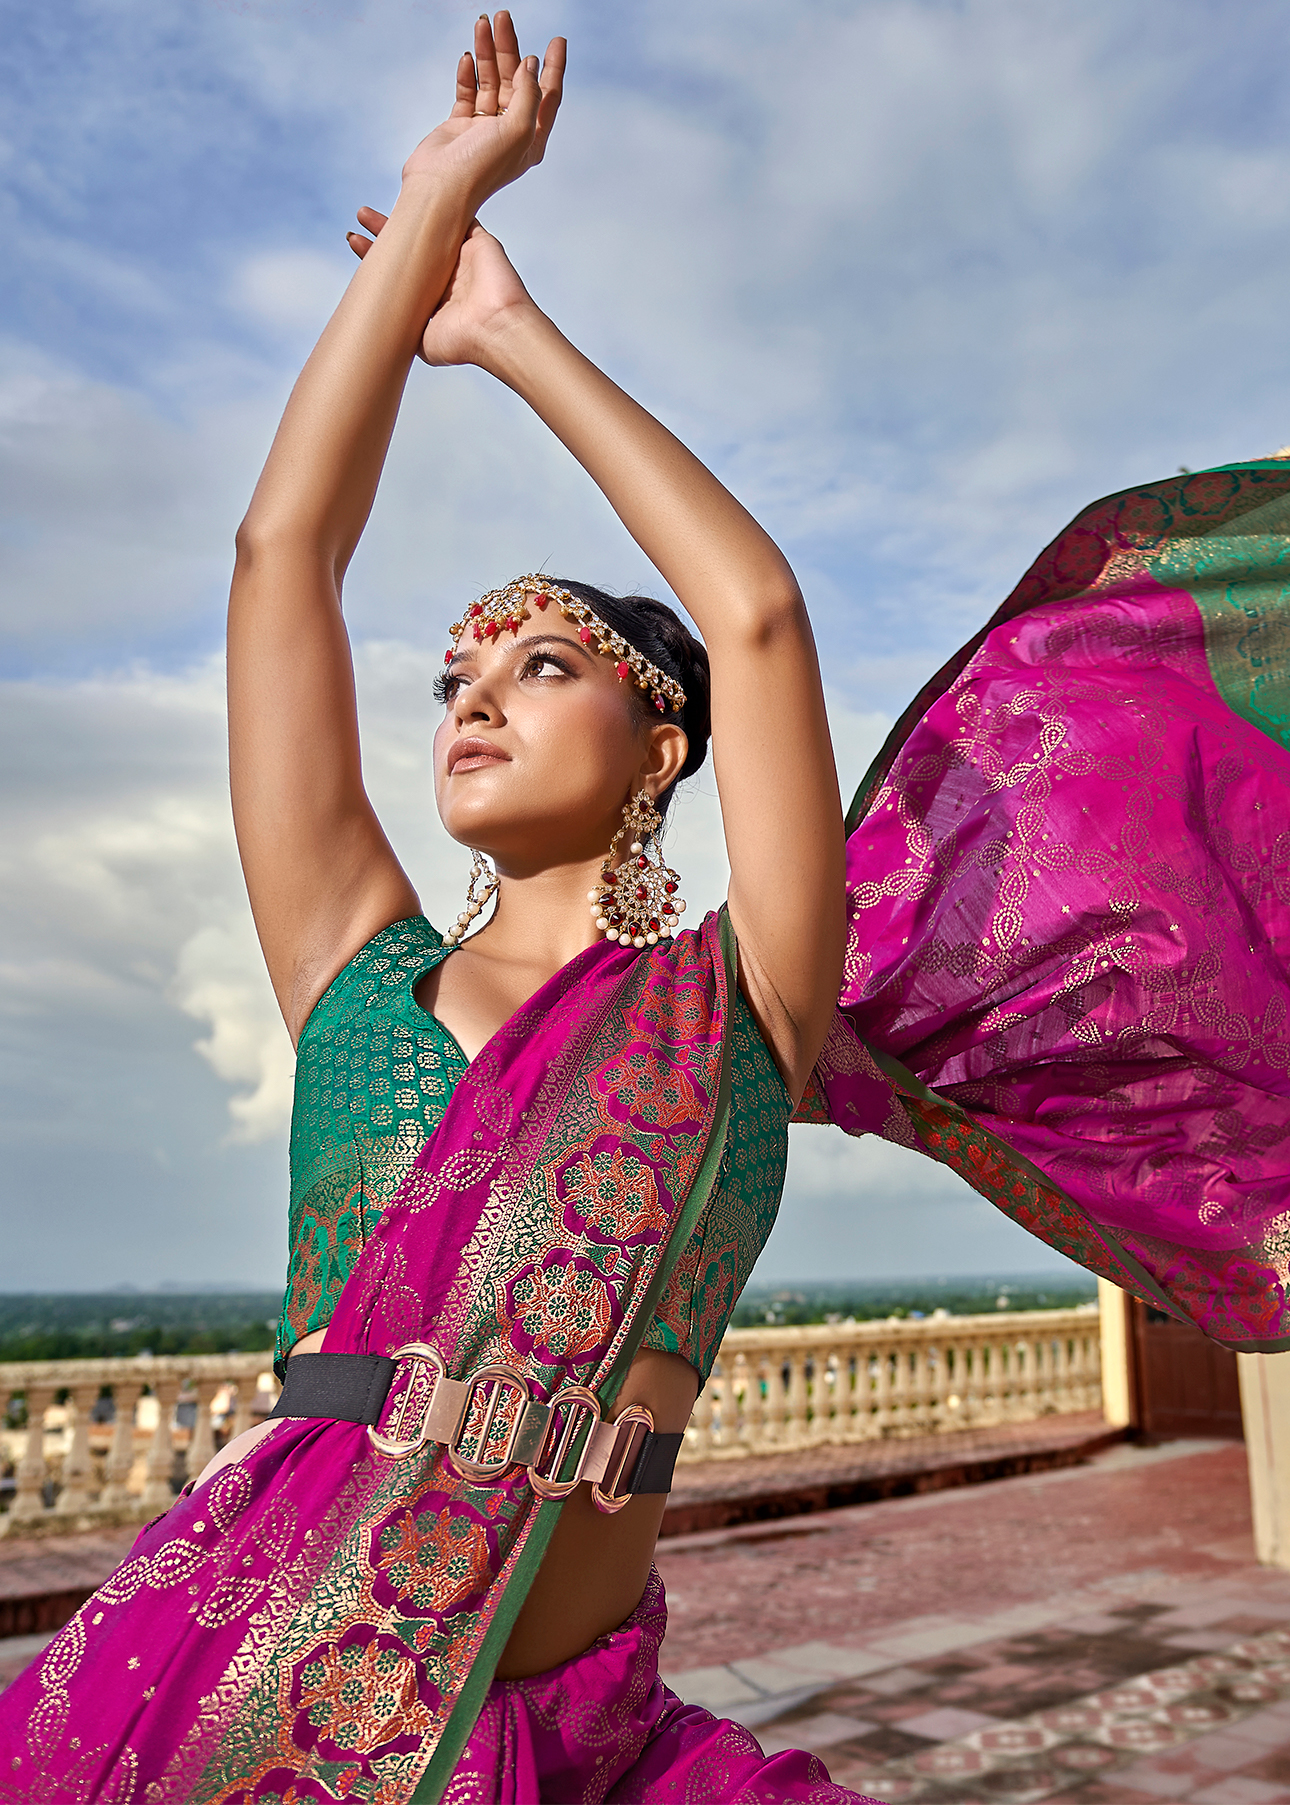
[483,289]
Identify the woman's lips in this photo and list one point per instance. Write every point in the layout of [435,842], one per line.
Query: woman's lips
[473,755]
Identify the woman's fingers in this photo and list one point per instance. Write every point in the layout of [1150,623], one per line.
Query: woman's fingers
[551,87]
[369,217]
[467,88]
[507,46]
[488,99]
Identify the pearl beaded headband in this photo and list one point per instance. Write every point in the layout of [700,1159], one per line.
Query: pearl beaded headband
[503,610]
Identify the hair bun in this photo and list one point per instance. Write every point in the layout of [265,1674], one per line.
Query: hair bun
[663,637]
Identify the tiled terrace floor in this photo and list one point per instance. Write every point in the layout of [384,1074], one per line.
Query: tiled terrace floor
[1102,1633]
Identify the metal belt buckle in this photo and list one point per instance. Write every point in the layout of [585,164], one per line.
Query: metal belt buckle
[571,1409]
[632,1426]
[496,1400]
[416,1397]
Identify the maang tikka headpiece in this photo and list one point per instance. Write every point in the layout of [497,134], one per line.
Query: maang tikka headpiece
[504,610]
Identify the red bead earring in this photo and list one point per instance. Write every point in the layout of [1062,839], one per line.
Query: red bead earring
[636,903]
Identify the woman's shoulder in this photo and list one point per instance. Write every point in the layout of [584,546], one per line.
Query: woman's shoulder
[387,966]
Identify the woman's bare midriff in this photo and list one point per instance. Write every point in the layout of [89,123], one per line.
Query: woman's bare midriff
[596,1566]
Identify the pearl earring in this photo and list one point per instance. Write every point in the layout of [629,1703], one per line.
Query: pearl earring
[636,903]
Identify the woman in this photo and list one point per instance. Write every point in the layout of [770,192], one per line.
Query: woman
[520,1219]
[606,1283]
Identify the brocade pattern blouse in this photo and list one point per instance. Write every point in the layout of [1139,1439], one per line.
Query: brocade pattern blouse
[374,1072]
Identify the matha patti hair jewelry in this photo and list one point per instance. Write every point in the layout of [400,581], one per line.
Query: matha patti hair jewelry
[483,881]
[636,903]
[504,610]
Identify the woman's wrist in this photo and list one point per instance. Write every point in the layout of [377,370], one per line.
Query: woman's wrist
[434,196]
[516,343]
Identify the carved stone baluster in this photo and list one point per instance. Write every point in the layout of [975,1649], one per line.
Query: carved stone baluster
[202,1446]
[242,1404]
[158,1493]
[29,1497]
[78,1468]
[121,1454]
[797,1397]
[700,1446]
[825,1419]
[938,1389]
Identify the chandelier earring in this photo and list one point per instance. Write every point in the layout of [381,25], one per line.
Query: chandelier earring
[483,882]
[636,903]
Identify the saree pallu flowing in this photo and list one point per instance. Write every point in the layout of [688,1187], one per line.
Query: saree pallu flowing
[1068,879]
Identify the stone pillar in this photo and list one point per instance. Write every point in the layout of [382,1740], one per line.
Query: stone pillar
[78,1468]
[29,1498]
[202,1446]
[1265,1409]
[121,1454]
[1113,1332]
[157,1492]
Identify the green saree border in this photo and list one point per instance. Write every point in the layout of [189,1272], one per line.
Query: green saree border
[456,1732]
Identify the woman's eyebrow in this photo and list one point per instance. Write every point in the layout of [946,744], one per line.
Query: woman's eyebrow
[553,639]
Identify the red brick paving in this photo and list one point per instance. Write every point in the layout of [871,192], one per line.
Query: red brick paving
[45,1578]
[844,1574]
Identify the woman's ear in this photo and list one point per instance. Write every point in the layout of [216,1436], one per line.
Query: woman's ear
[661,766]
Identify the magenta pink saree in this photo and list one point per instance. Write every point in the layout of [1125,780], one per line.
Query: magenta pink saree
[1069,894]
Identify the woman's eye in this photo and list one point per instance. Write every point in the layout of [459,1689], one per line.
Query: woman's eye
[544,667]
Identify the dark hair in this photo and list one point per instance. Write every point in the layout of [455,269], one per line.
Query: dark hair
[660,635]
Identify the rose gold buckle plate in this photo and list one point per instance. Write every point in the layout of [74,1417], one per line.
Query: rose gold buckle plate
[571,1410]
[497,1398]
[630,1430]
[426,1395]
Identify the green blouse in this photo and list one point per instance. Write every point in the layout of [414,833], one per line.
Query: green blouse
[374,1072]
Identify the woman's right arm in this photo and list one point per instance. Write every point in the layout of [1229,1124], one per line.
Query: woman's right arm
[321,875]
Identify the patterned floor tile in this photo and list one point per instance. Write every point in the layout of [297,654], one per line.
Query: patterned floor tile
[946,1722]
[1237,1789]
[1215,1728]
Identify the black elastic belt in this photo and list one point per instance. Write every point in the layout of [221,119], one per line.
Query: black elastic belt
[354,1388]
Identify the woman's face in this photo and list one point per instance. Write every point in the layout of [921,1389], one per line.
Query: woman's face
[540,746]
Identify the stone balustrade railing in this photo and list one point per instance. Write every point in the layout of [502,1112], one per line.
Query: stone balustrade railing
[772,1390]
[125,1461]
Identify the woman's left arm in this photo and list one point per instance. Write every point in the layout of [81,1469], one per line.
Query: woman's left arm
[770,735]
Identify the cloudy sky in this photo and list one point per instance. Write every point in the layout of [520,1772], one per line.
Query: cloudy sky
[919,278]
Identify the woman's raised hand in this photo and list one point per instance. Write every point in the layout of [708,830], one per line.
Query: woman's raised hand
[499,123]
[483,294]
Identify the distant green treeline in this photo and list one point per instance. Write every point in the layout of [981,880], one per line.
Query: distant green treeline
[80,1325]
[809,1303]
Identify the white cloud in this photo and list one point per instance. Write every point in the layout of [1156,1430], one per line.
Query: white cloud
[292,291]
[220,979]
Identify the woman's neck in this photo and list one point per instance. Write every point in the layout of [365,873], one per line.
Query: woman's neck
[541,920]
